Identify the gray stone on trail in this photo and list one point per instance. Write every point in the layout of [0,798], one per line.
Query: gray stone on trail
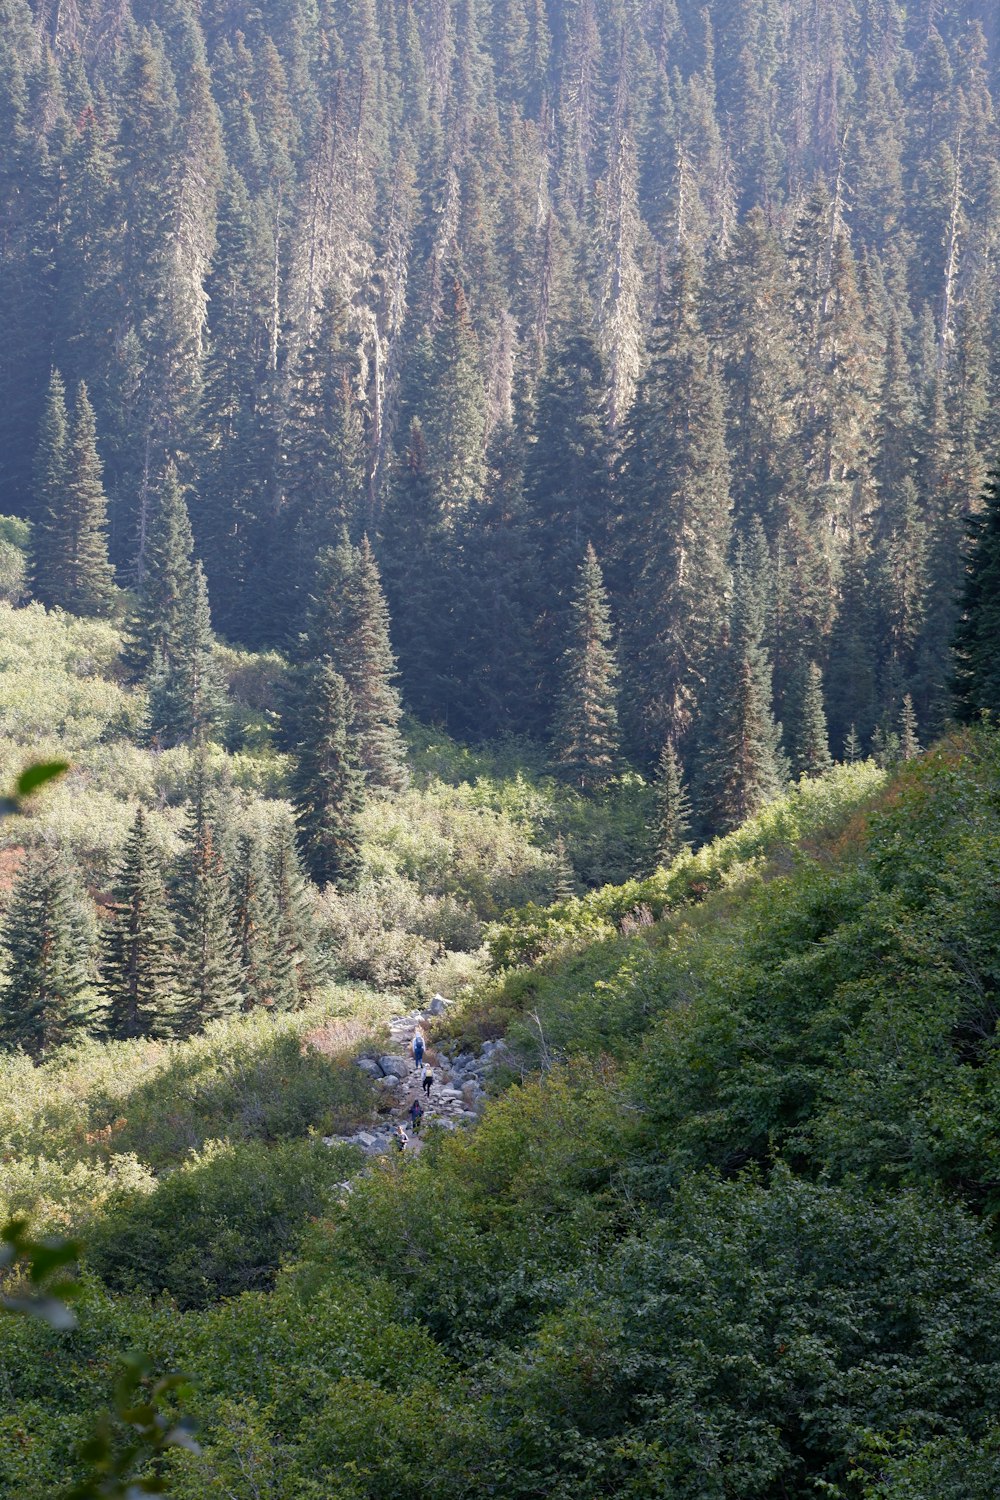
[437,1006]
[364,1139]
[395,1065]
[369,1065]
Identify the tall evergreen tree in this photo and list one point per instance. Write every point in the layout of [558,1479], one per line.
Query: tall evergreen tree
[255,913]
[805,733]
[210,981]
[50,475]
[348,622]
[740,766]
[585,739]
[326,783]
[49,940]
[674,482]
[171,635]
[137,969]
[976,679]
[673,807]
[296,969]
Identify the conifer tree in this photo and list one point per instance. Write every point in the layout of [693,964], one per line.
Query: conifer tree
[255,919]
[976,679]
[327,784]
[137,969]
[674,482]
[805,733]
[50,478]
[348,623]
[295,962]
[852,747]
[49,941]
[673,807]
[909,744]
[585,738]
[563,877]
[171,636]
[210,981]
[71,548]
[740,766]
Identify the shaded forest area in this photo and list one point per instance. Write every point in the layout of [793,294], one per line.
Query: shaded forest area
[710,289]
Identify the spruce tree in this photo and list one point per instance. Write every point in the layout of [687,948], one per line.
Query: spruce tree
[327,783]
[137,968]
[71,547]
[673,807]
[674,483]
[255,913]
[740,766]
[909,743]
[852,747]
[805,733]
[49,941]
[563,875]
[295,962]
[976,679]
[348,623]
[50,478]
[585,738]
[171,635]
[210,981]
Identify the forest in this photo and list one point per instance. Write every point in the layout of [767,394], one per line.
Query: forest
[500,500]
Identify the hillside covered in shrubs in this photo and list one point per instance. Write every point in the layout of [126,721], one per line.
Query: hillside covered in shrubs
[726,1228]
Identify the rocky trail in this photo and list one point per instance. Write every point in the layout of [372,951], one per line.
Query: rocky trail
[457,1094]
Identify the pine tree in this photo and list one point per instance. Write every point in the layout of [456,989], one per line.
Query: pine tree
[976,679]
[740,766]
[50,479]
[348,623]
[585,739]
[71,550]
[137,969]
[673,808]
[909,744]
[255,920]
[852,747]
[49,941]
[805,733]
[327,784]
[296,969]
[171,636]
[210,981]
[674,484]
[563,876]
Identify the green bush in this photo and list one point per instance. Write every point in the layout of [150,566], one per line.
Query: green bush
[218,1226]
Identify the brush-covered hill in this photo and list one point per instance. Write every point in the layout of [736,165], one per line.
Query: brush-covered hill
[728,1227]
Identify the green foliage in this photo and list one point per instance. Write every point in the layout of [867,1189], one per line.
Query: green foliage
[220,1225]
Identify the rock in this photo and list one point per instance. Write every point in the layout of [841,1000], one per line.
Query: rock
[397,1066]
[437,1006]
[369,1065]
[364,1139]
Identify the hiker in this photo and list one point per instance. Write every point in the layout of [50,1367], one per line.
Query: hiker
[400,1138]
[416,1115]
[428,1079]
[418,1047]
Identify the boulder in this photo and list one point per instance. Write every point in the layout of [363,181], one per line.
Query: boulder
[370,1066]
[437,1006]
[397,1066]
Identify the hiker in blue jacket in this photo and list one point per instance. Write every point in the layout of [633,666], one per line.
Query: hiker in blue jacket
[418,1047]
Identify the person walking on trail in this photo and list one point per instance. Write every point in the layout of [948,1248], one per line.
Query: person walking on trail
[400,1139]
[428,1079]
[418,1047]
[416,1115]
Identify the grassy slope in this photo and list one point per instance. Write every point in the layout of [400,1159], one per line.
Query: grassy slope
[737,1240]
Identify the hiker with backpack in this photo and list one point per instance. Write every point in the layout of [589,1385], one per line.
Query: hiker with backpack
[416,1113]
[400,1138]
[427,1080]
[418,1047]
